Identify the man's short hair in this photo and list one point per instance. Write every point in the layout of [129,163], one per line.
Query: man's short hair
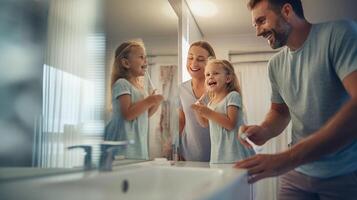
[276,5]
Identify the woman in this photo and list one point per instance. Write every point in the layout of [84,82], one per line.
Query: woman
[195,142]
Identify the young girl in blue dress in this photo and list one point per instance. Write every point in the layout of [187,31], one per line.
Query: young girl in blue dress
[132,106]
[223,114]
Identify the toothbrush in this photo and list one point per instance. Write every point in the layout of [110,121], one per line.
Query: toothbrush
[199,101]
[151,83]
[243,136]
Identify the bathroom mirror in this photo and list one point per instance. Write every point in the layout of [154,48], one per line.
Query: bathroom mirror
[155,24]
[56,59]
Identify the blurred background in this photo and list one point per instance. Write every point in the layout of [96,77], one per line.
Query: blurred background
[55,60]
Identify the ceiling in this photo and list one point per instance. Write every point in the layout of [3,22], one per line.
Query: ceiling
[233,17]
[138,18]
[156,18]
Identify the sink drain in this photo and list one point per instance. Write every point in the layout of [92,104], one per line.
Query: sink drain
[125,186]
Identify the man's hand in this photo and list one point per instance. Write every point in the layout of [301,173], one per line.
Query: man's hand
[257,134]
[266,165]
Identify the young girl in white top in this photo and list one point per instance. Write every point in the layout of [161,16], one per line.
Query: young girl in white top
[223,114]
[131,105]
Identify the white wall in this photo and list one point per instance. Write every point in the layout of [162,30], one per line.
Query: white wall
[315,11]
[224,44]
[327,10]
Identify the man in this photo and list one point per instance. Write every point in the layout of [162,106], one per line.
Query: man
[314,84]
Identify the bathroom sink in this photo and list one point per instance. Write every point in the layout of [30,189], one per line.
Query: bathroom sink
[138,182]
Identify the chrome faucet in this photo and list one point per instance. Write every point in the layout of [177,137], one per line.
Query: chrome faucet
[87,157]
[108,149]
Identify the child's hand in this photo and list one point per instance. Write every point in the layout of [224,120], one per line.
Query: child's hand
[153,92]
[155,99]
[200,109]
[201,112]
[200,100]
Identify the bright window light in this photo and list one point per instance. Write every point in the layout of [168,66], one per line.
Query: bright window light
[185,46]
[203,8]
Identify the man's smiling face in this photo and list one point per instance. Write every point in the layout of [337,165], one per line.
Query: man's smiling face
[270,25]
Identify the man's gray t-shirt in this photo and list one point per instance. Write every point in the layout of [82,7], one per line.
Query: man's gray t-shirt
[195,140]
[309,81]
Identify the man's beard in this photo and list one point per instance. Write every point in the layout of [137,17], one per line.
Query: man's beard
[280,33]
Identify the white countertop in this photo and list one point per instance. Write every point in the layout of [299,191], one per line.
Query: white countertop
[157,179]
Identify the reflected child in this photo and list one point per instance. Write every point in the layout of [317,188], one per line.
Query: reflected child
[132,106]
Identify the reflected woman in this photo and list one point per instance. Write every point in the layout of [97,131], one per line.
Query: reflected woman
[195,142]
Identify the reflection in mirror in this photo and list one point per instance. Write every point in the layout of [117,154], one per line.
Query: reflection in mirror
[153,23]
[73,84]
[54,98]
[55,94]
[23,36]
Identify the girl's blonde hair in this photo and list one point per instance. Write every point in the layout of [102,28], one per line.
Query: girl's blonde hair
[233,85]
[123,51]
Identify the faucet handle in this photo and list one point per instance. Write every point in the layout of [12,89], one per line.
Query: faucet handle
[106,158]
[88,155]
[107,155]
